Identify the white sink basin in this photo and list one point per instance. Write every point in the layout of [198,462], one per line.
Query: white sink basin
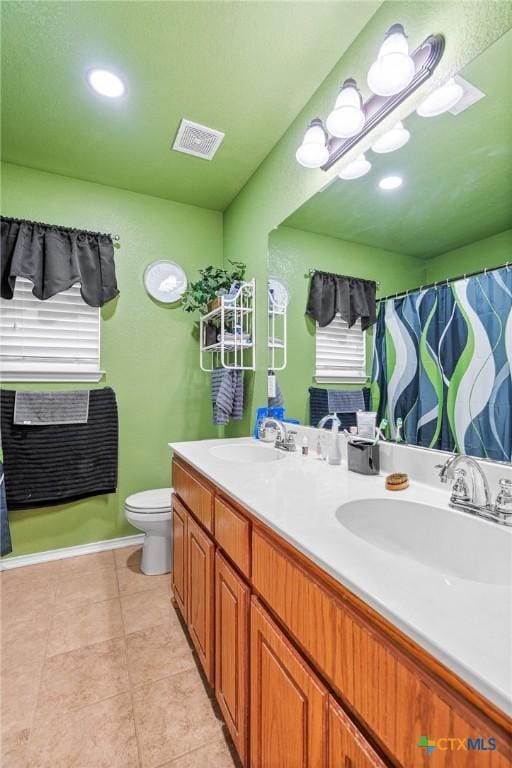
[246,454]
[455,544]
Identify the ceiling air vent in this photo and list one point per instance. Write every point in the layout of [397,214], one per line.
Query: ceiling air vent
[198,140]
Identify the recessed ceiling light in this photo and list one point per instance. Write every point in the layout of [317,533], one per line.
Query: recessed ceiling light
[393,139]
[390,182]
[106,83]
[357,168]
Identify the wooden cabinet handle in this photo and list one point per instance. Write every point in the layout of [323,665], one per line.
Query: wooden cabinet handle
[348,762]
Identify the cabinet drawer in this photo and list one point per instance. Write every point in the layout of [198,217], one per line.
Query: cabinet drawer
[232,533]
[398,700]
[197,496]
[347,746]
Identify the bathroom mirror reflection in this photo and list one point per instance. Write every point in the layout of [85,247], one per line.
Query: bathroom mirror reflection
[437,362]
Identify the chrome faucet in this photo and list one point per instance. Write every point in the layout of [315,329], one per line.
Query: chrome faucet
[468,500]
[285,439]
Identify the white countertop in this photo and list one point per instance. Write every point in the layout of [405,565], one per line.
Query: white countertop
[465,624]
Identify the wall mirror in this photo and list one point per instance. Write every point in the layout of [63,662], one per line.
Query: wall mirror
[439,356]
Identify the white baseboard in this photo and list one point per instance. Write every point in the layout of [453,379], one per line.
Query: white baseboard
[80,549]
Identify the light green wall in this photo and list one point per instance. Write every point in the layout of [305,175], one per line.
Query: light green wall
[490,252]
[148,350]
[291,253]
[280,185]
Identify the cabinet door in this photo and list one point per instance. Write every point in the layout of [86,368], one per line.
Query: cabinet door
[200,594]
[179,555]
[347,746]
[232,599]
[288,702]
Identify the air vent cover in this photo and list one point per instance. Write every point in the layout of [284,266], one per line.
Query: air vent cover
[198,140]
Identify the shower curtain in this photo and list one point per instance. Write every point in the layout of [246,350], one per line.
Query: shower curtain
[442,362]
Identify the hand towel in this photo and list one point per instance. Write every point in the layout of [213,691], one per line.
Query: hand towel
[57,463]
[227,395]
[345,401]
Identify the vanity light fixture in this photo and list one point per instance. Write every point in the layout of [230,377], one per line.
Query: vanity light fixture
[393,69]
[347,117]
[390,182]
[106,83]
[354,170]
[442,99]
[393,139]
[352,119]
[313,151]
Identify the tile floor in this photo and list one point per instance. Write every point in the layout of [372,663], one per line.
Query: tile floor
[97,672]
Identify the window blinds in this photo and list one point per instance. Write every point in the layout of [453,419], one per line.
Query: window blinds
[51,340]
[340,352]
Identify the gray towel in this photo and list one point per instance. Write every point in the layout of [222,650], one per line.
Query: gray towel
[345,401]
[40,408]
[227,395]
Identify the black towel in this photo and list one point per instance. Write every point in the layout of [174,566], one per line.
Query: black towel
[54,464]
[319,407]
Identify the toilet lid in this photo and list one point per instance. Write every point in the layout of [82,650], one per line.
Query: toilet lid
[151,501]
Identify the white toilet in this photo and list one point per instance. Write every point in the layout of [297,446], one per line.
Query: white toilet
[150,511]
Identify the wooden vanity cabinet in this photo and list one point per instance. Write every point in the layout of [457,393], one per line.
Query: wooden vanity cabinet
[288,724]
[232,600]
[306,674]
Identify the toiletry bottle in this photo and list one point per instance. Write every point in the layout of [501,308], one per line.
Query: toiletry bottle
[305,446]
[271,384]
[319,451]
[335,447]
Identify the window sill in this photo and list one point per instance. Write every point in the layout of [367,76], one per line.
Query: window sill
[56,376]
[338,380]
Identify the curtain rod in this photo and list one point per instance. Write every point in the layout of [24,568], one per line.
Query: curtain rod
[311,271]
[447,281]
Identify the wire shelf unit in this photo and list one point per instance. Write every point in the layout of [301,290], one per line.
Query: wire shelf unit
[233,327]
[277,333]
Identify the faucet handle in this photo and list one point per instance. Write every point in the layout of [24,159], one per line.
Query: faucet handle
[460,490]
[290,439]
[504,497]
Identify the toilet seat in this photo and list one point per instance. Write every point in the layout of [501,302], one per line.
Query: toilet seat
[148,516]
[151,502]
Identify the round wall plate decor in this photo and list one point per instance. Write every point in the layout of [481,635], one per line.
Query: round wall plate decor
[280,292]
[165,281]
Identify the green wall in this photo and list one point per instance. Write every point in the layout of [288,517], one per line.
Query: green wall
[291,253]
[148,350]
[280,185]
[490,252]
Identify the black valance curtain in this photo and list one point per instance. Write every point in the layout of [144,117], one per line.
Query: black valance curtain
[352,297]
[55,258]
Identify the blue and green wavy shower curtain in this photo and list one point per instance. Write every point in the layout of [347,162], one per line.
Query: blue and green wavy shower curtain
[443,363]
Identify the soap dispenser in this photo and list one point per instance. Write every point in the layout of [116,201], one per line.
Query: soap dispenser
[334,454]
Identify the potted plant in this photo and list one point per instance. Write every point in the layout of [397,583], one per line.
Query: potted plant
[204,295]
